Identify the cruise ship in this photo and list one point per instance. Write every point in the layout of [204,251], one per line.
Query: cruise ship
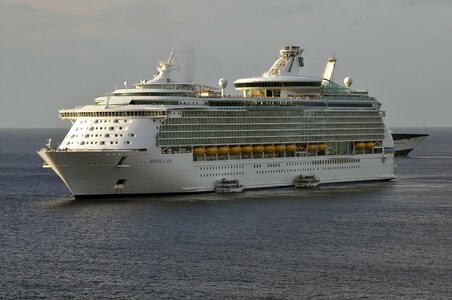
[163,136]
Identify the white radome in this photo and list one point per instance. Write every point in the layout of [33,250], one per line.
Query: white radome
[222,83]
[348,81]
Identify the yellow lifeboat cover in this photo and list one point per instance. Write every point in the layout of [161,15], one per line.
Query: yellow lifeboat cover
[369,145]
[212,150]
[235,150]
[247,149]
[223,150]
[312,147]
[291,148]
[280,148]
[258,149]
[360,146]
[199,151]
[269,148]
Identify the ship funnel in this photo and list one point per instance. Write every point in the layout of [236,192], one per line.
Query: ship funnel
[288,63]
[164,69]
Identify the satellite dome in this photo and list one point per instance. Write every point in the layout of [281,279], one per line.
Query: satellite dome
[348,81]
[222,83]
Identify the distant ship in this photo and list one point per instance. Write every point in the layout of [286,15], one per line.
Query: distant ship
[404,143]
[162,136]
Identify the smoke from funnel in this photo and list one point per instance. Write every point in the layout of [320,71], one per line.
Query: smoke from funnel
[190,60]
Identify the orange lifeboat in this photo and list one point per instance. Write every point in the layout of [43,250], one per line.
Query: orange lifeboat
[199,151]
[322,147]
[269,148]
[312,147]
[223,150]
[280,148]
[235,150]
[369,145]
[212,150]
[247,149]
[258,149]
[291,148]
[360,146]
[300,148]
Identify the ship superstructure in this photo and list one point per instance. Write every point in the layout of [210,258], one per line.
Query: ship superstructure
[162,136]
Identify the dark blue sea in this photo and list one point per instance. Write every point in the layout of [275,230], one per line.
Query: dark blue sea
[388,240]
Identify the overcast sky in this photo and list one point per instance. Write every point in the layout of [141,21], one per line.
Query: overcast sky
[60,54]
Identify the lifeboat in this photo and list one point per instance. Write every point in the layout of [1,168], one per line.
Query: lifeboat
[247,149]
[199,151]
[300,148]
[322,147]
[223,150]
[312,147]
[280,148]
[291,148]
[369,145]
[235,150]
[269,148]
[360,146]
[212,150]
[258,149]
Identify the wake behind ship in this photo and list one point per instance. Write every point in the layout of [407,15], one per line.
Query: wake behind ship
[163,136]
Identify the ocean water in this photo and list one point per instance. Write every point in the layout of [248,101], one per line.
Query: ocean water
[388,240]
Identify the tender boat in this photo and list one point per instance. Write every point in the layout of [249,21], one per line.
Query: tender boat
[225,186]
[306,181]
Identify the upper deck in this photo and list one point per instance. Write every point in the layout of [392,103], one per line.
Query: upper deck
[282,85]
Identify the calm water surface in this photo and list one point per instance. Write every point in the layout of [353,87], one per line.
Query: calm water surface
[382,240]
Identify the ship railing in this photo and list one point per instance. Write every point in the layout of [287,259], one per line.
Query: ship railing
[53,149]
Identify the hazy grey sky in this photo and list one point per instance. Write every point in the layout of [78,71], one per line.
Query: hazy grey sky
[60,54]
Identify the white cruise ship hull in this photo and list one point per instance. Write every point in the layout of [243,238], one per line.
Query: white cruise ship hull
[97,173]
